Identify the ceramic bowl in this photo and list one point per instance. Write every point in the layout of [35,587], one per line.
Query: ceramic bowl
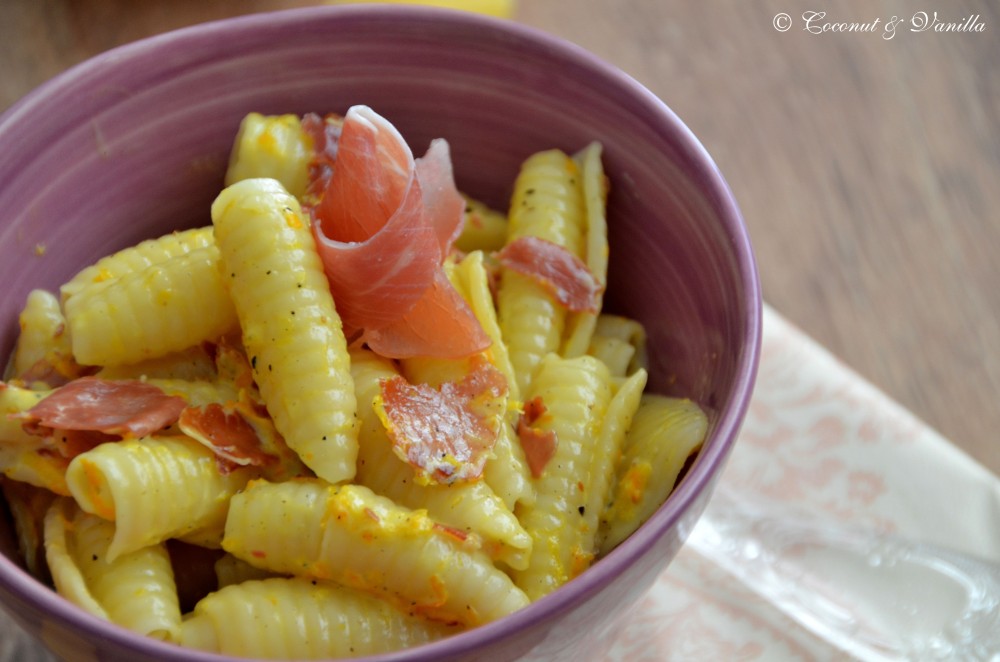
[134,143]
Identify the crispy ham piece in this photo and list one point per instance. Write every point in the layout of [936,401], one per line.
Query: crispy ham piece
[227,434]
[127,408]
[539,445]
[562,274]
[383,227]
[241,435]
[446,434]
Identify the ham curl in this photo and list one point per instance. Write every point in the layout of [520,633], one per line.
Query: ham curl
[383,228]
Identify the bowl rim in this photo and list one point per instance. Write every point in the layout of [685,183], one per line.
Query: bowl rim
[690,495]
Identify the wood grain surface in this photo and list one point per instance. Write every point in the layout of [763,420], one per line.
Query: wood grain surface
[868,169]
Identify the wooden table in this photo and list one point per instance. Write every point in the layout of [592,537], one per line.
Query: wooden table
[868,168]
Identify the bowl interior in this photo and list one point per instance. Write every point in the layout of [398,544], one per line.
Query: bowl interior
[134,144]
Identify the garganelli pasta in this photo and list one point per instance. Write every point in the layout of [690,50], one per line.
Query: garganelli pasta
[354,410]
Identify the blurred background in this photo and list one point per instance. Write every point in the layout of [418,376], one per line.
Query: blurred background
[868,168]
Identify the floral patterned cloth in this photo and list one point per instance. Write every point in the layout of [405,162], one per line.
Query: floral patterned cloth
[818,443]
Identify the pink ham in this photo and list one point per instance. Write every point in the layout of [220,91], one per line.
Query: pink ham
[383,228]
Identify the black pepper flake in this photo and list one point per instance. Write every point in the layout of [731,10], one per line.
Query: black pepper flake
[94,557]
[582,509]
[253,362]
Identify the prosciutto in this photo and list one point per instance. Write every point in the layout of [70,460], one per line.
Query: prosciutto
[383,228]
[539,445]
[127,408]
[446,434]
[560,272]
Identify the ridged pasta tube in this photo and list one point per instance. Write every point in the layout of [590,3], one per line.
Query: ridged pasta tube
[483,228]
[580,326]
[25,457]
[507,472]
[365,541]
[191,364]
[469,507]
[291,331]
[547,203]
[153,488]
[301,619]
[273,146]
[136,258]
[166,307]
[576,393]
[606,451]
[621,343]
[136,590]
[43,344]
[665,432]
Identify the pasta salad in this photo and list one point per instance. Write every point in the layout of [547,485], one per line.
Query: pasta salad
[356,413]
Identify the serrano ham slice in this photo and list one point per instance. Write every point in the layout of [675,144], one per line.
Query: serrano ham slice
[383,228]
[562,274]
[127,408]
[446,434]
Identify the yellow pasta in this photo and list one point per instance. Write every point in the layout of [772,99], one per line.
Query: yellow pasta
[273,146]
[301,619]
[576,393]
[137,589]
[35,465]
[66,574]
[606,451]
[291,330]
[580,326]
[43,348]
[163,308]
[153,488]
[230,570]
[547,203]
[611,333]
[359,539]
[136,258]
[483,228]
[472,508]
[26,457]
[665,432]
[190,364]
[16,400]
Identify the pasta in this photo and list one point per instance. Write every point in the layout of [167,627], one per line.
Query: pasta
[274,147]
[361,540]
[329,474]
[135,590]
[300,619]
[166,307]
[665,432]
[43,348]
[576,393]
[472,507]
[153,489]
[547,203]
[290,327]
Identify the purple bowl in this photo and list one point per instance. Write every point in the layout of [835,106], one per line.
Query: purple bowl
[134,143]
